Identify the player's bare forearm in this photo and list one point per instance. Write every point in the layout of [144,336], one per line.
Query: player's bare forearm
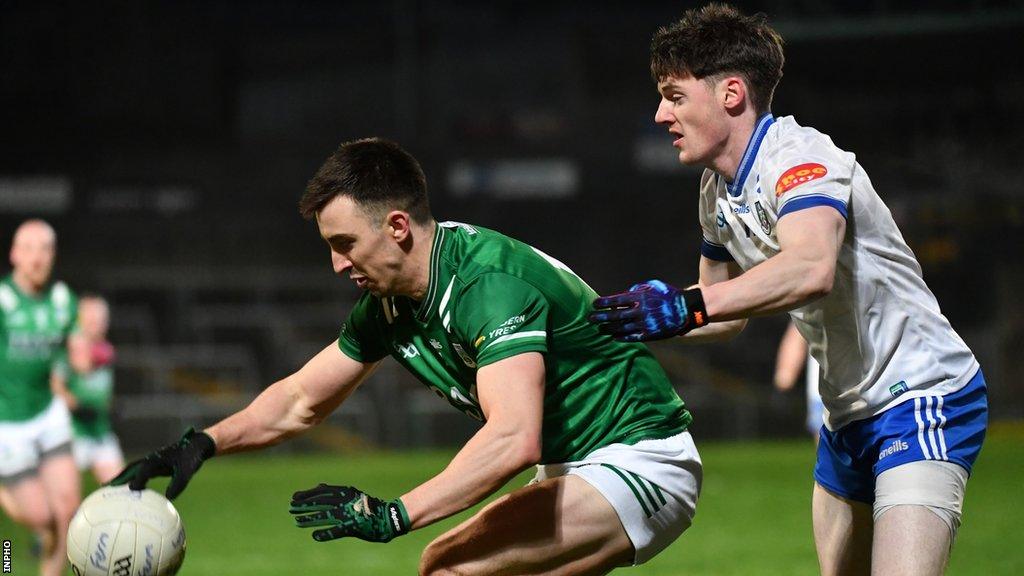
[714,272]
[489,460]
[292,405]
[512,398]
[276,414]
[715,332]
[790,359]
[801,272]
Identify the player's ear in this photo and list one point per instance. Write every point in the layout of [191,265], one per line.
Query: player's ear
[397,223]
[733,93]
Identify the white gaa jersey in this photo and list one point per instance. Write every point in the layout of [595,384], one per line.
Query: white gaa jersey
[879,335]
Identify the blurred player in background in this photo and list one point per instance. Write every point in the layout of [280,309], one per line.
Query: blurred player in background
[792,223]
[90,387]
[39,485]
[499,330]
[791,359]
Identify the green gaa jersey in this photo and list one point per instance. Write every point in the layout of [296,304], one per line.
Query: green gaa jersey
[491,297]
[33,330]
[93,390]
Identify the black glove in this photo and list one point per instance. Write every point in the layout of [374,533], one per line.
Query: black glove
[347,511]
[179,461]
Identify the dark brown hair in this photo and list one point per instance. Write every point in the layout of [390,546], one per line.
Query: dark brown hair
[716,40]
[375,173]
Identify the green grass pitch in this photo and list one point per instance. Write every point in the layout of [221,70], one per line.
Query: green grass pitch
[753,516]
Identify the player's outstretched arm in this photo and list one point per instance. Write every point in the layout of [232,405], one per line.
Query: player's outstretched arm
[802,271]
[284,409]
[511,394]
[292,405]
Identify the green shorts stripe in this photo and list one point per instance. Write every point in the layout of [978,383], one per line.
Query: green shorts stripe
[636,493]
[650,498]
[658,492]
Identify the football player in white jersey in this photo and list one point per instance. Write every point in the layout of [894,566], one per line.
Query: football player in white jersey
[792,223]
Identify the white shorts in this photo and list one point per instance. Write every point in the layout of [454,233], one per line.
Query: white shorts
[653,486]
[23,445]
[90,451]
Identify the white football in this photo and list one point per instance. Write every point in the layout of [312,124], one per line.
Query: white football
[120,532]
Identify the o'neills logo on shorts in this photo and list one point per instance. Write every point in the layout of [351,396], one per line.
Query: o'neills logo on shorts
[797,175]
[896,446]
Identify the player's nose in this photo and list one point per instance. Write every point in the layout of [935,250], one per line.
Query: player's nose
[663,115]
[340,263]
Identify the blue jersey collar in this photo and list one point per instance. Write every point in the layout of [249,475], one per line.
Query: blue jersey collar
[760,129]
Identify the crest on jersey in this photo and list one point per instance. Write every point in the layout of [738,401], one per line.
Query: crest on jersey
[797,175]
[762,218]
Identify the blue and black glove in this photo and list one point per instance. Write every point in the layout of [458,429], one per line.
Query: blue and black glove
[348,511]
[651,310]
[179,460]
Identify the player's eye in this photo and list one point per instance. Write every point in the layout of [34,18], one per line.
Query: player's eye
[341,246]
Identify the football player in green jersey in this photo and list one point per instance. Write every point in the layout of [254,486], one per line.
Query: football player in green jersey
[39,485]
[498,329]
[90,389]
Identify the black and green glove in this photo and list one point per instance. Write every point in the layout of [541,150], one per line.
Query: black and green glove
[348,511]
[180,461]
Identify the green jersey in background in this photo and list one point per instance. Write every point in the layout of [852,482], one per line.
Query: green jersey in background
[33,331]
[491,297]
[93,390]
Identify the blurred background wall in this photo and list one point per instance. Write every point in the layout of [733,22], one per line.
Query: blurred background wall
[169,142]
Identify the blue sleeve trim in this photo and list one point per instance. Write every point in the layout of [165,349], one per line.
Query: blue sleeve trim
[715,251]
[804,202]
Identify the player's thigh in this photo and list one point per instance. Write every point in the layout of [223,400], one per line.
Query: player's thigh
[910,540]
[61,482]
[561,525]
[917,513]
[25,501]
[842,534]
